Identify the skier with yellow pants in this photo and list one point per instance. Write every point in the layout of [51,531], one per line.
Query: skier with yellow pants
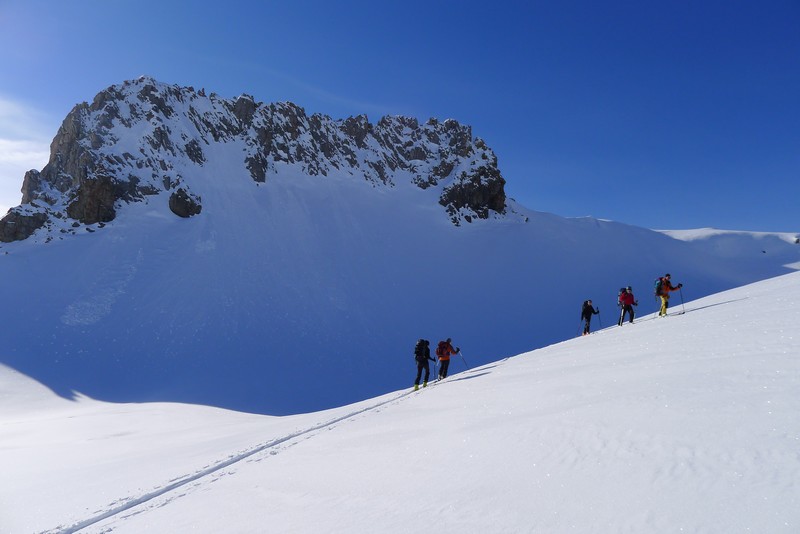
[663,287]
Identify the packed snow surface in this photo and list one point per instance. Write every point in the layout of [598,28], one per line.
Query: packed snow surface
[689,423]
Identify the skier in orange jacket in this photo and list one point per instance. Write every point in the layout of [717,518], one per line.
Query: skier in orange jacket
[443,351]
[662,290]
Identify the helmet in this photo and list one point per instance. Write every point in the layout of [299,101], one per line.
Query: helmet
[629,288]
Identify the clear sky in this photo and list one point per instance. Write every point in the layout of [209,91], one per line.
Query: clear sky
[679,114]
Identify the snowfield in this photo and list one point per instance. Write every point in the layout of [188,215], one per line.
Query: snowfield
[306,291]
[685,424]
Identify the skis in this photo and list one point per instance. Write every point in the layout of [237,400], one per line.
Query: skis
[430,385]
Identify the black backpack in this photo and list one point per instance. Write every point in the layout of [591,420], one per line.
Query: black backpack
[419,350]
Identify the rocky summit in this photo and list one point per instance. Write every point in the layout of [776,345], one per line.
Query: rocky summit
[140,141]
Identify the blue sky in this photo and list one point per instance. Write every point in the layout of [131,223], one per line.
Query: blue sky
[675,115]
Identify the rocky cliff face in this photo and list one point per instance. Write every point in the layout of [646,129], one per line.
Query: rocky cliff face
[136,140]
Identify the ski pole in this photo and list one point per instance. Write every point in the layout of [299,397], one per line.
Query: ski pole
[463,360]
[600,319]
[680,290]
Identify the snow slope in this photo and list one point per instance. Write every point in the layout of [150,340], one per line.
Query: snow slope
[683,424]
[745,246]
[306,293]
[323,251]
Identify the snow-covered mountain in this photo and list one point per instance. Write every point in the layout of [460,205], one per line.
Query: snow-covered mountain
[147,139]
[185,247]
[683,424]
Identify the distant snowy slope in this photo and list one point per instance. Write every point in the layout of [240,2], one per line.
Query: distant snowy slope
[687,423]
[751,247]
[185,247]
[711,233]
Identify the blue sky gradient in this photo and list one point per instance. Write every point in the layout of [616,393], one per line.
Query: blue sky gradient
[672,115]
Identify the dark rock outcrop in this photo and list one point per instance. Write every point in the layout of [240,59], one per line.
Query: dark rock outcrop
[480,192]
[17,225]
[184,204]
[94,201]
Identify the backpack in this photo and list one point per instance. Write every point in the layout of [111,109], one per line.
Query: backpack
[440,348]
[658,283]
[419,350]
[619,295]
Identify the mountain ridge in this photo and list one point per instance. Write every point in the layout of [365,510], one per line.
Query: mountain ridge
[141,138]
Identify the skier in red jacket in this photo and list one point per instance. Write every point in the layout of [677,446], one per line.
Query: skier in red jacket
[627,301]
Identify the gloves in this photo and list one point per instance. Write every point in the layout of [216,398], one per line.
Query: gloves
[458,350]
[680,286]
[636,303]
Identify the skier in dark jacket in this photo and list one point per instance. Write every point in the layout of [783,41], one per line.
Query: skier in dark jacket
[444,350]
[627,301]
[586,315]
[422,354]
[662,290]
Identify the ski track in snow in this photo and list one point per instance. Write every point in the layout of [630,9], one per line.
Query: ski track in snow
[665,460]
[181,486]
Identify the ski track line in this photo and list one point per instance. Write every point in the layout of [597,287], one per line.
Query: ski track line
[180,482]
